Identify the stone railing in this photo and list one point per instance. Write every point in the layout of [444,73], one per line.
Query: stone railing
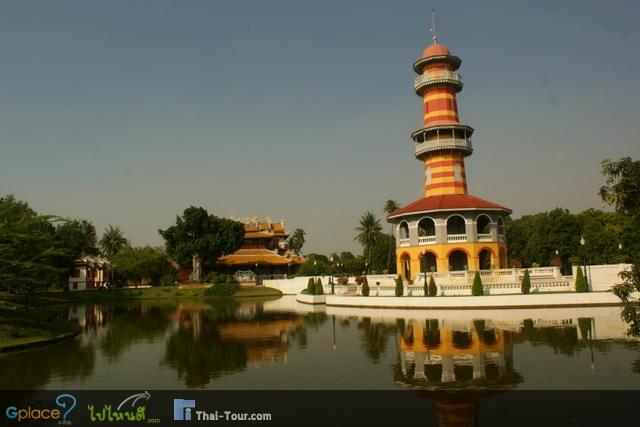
[426,240]
[457,238]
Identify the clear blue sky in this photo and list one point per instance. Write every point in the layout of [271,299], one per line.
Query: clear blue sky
[126,112]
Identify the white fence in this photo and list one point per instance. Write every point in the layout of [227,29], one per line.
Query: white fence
[495,282]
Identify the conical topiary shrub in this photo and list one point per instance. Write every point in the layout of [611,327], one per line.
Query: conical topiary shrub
[426,286]
[399,286]
[477,288]
[318,289]
[433,289]
[311,286]
[365,287]
[525,286]
[581,281]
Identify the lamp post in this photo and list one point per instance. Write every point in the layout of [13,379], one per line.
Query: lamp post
[315,268]
[584,260]
[331,277]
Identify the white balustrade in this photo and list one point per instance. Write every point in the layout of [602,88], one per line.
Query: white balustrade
[404,242]
[426,240]
[484,237]
[457,238]
[437,76]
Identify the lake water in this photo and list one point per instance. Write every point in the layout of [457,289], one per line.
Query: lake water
[281,344]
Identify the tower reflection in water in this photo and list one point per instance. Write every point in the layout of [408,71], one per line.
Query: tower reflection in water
[433,355]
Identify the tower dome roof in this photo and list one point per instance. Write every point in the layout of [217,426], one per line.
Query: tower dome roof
[435,49]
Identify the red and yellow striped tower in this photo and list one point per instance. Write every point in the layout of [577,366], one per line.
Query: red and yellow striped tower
[442,143]
[448,229]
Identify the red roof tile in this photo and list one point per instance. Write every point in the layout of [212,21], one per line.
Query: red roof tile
[447,202]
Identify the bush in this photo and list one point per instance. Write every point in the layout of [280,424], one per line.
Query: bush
[230,279]
[222,290]
[318,288]
[212,277]
[365,287]
[399,286]
[343,280]
[433,289]
[581,281]
[311,286]
[426,286]
[525,286]
[359,280]
[477,289]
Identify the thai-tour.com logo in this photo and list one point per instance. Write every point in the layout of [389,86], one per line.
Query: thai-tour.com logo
[64,404]
[130,409]
[185,410]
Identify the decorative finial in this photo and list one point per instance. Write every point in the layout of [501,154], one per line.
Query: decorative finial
[433,26]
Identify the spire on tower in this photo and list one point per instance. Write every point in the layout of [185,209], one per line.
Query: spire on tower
[433,26]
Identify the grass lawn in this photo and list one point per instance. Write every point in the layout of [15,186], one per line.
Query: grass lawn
[261,291]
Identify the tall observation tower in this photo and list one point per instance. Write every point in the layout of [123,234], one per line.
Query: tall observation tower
[448,229]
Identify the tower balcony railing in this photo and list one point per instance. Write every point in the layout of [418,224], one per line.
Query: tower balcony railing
[456,238]
[485,237]
[442,76]
[404,242]
[444,144]
[426,240]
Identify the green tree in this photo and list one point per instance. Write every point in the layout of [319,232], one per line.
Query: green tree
[368,231]
[198,237]
[296,240]
[432,289]
[389,207]
[318,287]
[112,242]
[525,285]
[477,289]
[143,265]
[622,190]
[380,252]
[31,255]
[78,237]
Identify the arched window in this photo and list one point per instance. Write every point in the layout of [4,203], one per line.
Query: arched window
[426,227]
[403,230]
[456,225]
[483,224]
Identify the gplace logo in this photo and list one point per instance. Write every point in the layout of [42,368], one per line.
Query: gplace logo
[182,409]
[65,401]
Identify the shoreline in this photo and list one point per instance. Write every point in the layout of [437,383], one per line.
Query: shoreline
[31,329]
[573,299]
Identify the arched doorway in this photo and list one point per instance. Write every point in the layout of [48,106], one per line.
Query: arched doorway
[428,263]
[458,261]
[484,258]
[405,266]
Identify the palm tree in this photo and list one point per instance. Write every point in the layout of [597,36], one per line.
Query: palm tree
[112,241]
[390,206]
[367,233]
